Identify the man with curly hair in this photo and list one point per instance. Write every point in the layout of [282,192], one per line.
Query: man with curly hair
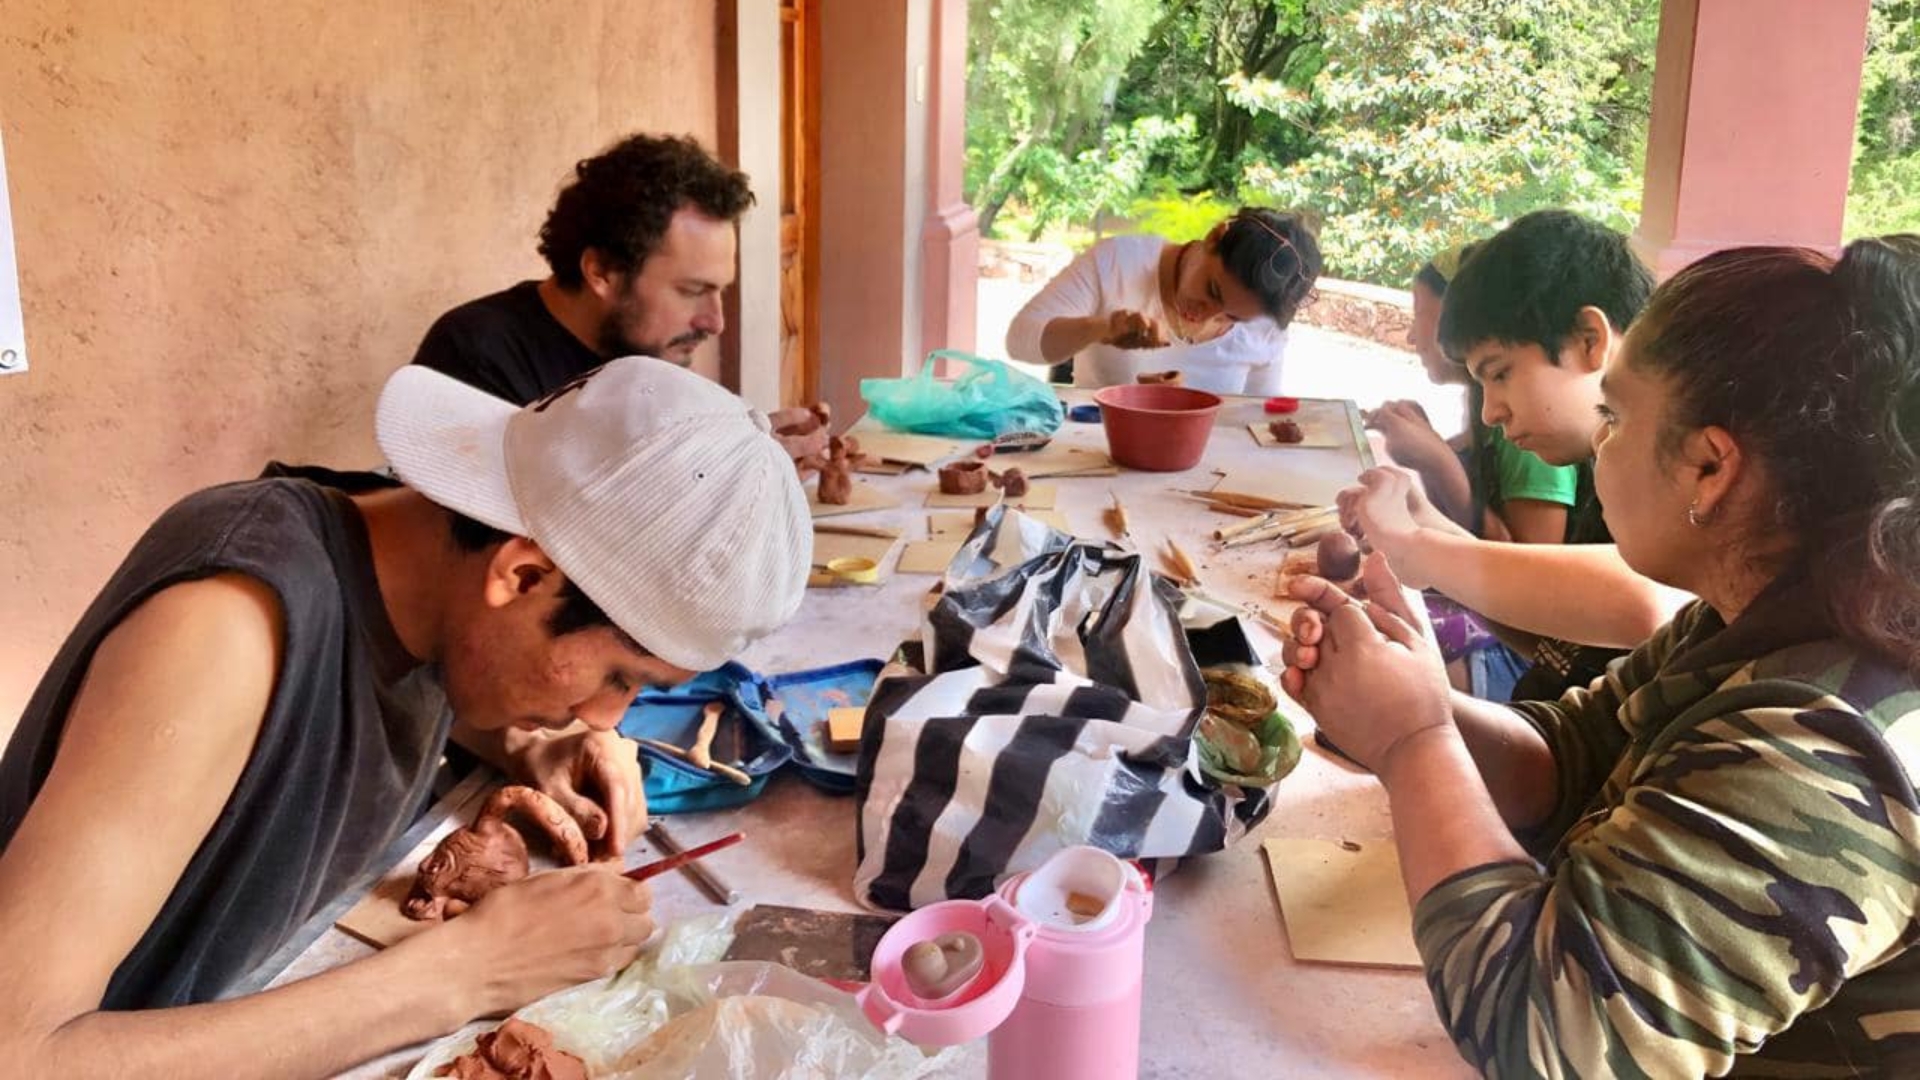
[640,243]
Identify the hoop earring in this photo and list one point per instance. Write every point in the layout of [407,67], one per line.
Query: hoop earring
[1693,515]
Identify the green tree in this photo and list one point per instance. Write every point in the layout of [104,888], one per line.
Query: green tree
[1436,123]
[1041,80]
[1885,192]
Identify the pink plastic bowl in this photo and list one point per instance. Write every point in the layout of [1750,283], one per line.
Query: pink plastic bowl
[1158,428]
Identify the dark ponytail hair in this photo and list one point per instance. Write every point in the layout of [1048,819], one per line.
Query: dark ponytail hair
[1275,255]
[1814,366]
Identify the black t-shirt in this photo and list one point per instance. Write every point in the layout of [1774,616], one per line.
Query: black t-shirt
[507,344]
[344,759]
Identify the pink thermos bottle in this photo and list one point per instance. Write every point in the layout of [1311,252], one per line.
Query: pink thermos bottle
[1061,956]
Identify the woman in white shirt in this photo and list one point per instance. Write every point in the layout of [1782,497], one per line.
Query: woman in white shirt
[1215,309]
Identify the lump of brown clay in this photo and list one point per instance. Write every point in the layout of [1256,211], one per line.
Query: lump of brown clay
[939,967]
[1286,431]
[1013,482]
[1165,378]
[1337,556]
[802,431]
[836,473]
[516,1050]
[473,861]
[963,478]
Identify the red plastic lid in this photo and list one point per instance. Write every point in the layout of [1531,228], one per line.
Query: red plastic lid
[1283,404]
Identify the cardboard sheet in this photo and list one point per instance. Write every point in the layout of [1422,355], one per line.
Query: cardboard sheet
[1055,459]
[828,546]
[865,497]
[1343,903]
[903,448]
[956,524]
[930,556]
[1038,497]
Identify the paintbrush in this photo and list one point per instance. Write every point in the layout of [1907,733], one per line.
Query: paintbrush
[675,862]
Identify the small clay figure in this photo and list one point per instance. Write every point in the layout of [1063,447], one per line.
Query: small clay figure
[836,472]
[1012,483]
[963,478]
[516,1050]
[940,967]
[1163,378]
[1286,431]
[1337,556]
[473,861]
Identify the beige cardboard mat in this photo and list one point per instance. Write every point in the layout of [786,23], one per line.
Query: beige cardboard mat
[828,546]
[957,524]
[1054,459]
[865,497]
[903,448]
[929,556]
[1343,902]
[1038,497]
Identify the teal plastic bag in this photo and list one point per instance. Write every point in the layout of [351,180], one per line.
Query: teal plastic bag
[990,399]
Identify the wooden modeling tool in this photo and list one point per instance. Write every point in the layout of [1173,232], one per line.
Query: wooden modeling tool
[703,879]
[1117,516]
[715,767]
[1181,564]
[675,862]
[701,752]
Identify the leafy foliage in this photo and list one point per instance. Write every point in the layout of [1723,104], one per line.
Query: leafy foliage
[1406,126]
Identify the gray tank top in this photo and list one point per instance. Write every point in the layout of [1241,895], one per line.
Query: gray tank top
[345,756]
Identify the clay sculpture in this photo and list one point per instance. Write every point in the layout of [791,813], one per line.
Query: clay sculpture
[941,967]
[1013,482]
[473,861]
[963,478]
[1337,556]
[836,472]
[516,1050]
[1286,431]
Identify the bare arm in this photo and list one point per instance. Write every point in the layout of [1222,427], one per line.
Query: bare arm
[1583,593]
[1534,521]
[1068,334]
[1513,760]
[179,690]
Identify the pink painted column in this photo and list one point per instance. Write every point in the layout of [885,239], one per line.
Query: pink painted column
[950,241]
[1751,140]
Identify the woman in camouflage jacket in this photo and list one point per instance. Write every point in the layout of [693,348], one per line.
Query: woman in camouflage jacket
[1708,862]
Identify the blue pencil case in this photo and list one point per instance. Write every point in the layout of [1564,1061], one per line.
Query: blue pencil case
[748,738]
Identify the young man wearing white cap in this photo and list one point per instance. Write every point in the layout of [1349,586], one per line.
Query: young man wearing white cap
[251,710]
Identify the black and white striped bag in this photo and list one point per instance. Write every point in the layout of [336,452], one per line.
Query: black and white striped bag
[1054,705]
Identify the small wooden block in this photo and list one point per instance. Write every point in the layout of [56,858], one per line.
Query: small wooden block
[843,728]
[865,497]
[929,556]
[1038,497]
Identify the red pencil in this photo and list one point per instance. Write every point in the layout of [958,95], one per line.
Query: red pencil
[674,862]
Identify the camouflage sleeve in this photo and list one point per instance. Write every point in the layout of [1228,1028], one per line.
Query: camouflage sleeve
[1757,861]
[1586,734]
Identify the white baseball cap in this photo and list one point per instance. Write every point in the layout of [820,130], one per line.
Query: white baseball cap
[663,496]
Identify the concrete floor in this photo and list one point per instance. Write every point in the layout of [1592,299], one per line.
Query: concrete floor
[1320,363]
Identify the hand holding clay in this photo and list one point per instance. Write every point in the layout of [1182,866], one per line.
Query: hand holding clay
[1133,330]
[595,777]
[802,431]
[545,933]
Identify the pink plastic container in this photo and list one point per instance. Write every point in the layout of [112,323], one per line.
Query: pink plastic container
[1157,428]
[1059,990]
